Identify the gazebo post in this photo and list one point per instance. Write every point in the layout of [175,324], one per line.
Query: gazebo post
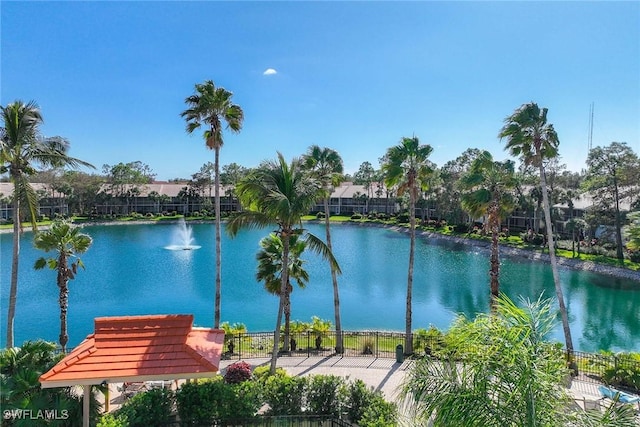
[86,400]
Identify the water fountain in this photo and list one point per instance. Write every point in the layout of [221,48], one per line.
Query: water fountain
[182,239]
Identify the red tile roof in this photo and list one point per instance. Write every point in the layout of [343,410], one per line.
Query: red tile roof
[140,348]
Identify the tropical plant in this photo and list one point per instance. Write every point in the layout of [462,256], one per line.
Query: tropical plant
[20,371]
[231,332]
[22,149]
[326,165]
[612,176]
[507,374]
[280,193]
[535,141]
[407,167]
[152,408]
[270,269]
[488,191]
[633,231]
[67,242]
[210,106]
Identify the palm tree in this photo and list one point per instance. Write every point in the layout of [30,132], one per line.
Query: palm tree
[280,193]
[488,188]
[407,167]
[326,165]
[210,106]
[67,241]
[531,138]
[270,269]
[507,374]
[22,149]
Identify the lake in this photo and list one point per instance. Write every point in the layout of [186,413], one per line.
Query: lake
[129,272]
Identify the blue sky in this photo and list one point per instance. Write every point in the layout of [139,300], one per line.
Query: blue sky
[354,76]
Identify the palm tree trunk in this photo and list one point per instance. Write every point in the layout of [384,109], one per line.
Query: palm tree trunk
[13,292]
[619,253]
[216,320]
[554,263]
[494,271]
[334,280]
[408,341]
[63,300]
[287,319]
[283,288]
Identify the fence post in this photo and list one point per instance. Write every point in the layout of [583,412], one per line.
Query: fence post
[377,345]
[308,344]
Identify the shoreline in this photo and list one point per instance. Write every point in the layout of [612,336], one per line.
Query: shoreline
[574,264]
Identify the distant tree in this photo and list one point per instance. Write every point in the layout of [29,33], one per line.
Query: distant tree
[22,150]
[449,198]
[232,174]
[125,181]
[408,168]
[488,189]
[612,176]
[210,106]
[67,242]
[633,231]
[365,176]
[535,141]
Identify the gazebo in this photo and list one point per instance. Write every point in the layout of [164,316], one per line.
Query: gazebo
[138,348]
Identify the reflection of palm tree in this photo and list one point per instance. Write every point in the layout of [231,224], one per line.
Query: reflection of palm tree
[408,167]
[21,149]
[270,269]
[280,193]
[212,105]
[326,165]
[489,186]
[531,138]
[67,242]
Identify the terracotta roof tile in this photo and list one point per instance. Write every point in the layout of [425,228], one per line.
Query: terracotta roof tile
[138,348]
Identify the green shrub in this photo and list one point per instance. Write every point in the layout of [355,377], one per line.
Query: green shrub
[320,215]
[261,373]
[622,369]
[326,395]
[379,413]
[111,420]
[403,218]
[431,340]
[356,216]
[148,409]
[284,394]
[214,401]
[359,397]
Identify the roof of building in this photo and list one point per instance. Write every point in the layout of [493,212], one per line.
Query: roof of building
[140,348]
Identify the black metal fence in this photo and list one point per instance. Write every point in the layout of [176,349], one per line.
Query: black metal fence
[621,370]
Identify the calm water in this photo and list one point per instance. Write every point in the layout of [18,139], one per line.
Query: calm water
[128,272]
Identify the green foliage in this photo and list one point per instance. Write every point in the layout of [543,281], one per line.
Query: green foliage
[20,370]
[112,420]
[214,401]
[431,340]
[326,395]
[379,413]
[284,394]
[149,409]
[622,369]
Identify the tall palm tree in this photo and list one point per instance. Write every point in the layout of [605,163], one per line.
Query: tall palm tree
[210,106]
[535,141]
[488,191]
[280,193]
[67,241]
[326,165]
[270,269]
[407,167]
[22,149]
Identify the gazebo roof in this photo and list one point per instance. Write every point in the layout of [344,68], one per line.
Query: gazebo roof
[139,348]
